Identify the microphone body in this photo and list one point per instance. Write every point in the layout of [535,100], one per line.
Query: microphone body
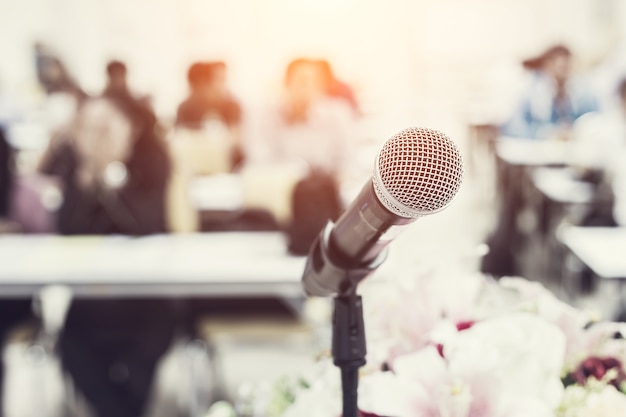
[355,244]
[360,234]
[418,172]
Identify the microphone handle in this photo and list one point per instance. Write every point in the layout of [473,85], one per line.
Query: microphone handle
[346,252]
[364,229]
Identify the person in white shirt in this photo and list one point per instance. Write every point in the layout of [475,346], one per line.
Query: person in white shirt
[299,151]
[305,125]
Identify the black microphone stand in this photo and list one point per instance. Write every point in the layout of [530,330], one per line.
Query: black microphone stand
[348,343]
[327,274]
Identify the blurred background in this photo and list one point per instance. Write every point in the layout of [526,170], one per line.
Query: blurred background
[165,166]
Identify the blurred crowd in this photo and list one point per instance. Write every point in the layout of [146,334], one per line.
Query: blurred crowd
[127,171]
[109,166]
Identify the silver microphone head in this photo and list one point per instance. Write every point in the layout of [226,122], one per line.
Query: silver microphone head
[418,172]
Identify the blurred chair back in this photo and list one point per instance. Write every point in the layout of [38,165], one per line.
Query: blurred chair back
[194,152]
[271,187]
[203,152]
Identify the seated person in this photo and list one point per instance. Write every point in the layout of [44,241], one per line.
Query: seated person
[553,101]
[12,311]
[114,172]
[210,100]
[306,125]
[308,134]
[6,174]
[206,141]
[117,86]
[336,88]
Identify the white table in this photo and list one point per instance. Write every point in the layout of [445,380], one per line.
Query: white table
[532,152]
[231,264]
[603,249]
[562,186]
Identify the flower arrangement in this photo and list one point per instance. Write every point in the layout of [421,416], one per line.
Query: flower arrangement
[450,345]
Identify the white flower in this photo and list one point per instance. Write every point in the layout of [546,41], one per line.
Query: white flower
[386,394]
[519,294]
[322,399]
[400,315]
[607,403]
[520,353]
[506,367]
[601,342]
[420,384]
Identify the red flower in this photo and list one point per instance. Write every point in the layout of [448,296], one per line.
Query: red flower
[460,326]
[464,325]
[440,350]
[597,368]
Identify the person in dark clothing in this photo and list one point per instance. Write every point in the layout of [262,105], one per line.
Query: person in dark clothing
[6,174]
[114,170]
[210,99]
[117,86]
[12,311]
[112,184]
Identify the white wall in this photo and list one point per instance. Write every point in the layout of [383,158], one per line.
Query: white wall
[397,53]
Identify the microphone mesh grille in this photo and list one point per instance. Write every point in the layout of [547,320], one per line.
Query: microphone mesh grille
[418,172]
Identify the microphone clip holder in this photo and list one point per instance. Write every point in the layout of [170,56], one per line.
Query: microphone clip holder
[328,275]
[348,333]
[349,347]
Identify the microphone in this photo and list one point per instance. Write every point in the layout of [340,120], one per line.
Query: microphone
[418,172]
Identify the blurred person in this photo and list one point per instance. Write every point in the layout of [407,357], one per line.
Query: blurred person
[117,85]
[12,311]
[211,101]
[553,100]
[336,88]
[8,186]
[62,94]
[308,133]
[306,125]
[205,141]
[549,107]
[6,174]
[114,171]
[52,74]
